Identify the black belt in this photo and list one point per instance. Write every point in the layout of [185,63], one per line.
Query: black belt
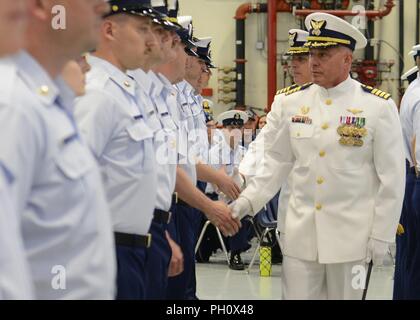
[176,200]
[182,203]
[133,240]
[212,196]
[160,216]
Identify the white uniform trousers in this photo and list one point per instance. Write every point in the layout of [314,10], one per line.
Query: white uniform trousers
[310,280]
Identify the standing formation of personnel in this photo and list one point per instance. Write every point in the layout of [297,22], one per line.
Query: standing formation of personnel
[108,150]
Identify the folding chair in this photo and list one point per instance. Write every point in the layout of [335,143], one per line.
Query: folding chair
[267,219]
[219,235]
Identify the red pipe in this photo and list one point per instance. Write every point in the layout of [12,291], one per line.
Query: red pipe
[243,10]
[272,50]
[371,14]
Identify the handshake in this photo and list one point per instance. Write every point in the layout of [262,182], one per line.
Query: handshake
[227,217]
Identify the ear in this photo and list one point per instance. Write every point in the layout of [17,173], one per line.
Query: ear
[41,9]
[348,58]
[108,29]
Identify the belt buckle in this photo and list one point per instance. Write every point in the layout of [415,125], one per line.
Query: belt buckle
[169,217]
[176,197]
[148,240]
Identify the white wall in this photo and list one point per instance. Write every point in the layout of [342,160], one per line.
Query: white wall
[215,18]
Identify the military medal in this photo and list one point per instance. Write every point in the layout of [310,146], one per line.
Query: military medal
[351,131]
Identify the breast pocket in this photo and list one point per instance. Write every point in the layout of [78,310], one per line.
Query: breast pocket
[140,145]
[74,160]
[301,142]
[301,131]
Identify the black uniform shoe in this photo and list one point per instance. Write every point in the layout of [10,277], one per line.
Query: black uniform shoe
[235,262]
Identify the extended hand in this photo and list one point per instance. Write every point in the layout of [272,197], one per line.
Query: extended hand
[241,208]
[228,186]
[220,216]
[176,266]
[376,251]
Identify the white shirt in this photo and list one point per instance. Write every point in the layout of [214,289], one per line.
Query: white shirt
[64,215]
[116,129]
[221,154]
[165,141]
[15,280]
[196,104]
[255,154]
[341,195]
[410,119]
[188,136]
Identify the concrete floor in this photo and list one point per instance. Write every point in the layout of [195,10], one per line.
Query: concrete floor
[215,281]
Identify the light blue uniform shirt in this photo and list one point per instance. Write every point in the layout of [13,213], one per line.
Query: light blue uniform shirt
[188,152]
[15,281]
[196,102]
[165,136]
[65,219]
[116,129]
[221,154]
[410,119]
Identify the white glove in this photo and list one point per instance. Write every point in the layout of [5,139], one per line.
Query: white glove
[240,208]
[376,251]
[282,236]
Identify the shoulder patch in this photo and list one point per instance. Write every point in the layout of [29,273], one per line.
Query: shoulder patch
[376,92]
[284,90]
[299,88]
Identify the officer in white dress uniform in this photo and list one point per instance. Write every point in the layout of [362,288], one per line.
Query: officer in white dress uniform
[57,190]
[342,143]
[116,127]
[299,55]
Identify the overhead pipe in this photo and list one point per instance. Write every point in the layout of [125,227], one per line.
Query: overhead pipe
[370,33]
[370,14]
[241,14]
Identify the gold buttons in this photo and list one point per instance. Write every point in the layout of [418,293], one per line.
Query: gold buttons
[127,84]
[318,206]
[322,153]
[44,91]
[298,134]
[328,102]
[320,180]
[325,126]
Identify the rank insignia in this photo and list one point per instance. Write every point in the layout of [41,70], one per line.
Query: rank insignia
[355,111]
[301,119]
[304,110]
[292,38]
[351,131]
[317,26]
